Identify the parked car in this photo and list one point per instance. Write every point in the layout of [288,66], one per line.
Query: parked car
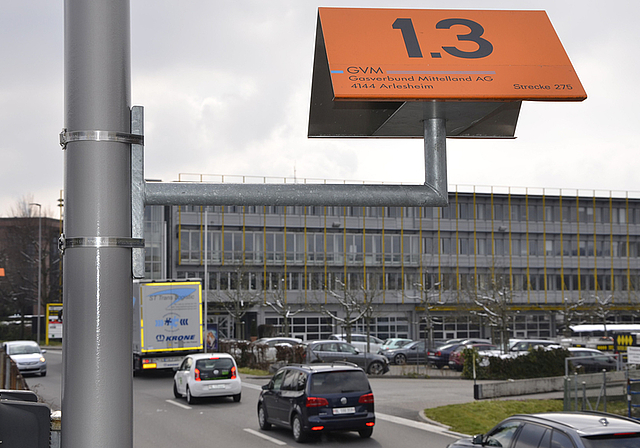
[392,344]
[456,358]
[439,357]
[207,375]
[330,351]
[267,347]
[411,353]
[519,347]
[591,360]
[318,398]
[27,355]
[359,341]
[559,430]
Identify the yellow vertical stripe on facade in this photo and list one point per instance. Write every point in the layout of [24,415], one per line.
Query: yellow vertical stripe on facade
[201,234]
[264,251]
[364,247]
[493,245]
[244,246]
[457,246]
[384,276]
[510,244]
[628,247]
[402,252]
[439,245]
[595,246]
[611,244]
[544,244]
[526,217]
[578,240]
[475,246]
[284,290]
[562,285]
[325,255]
[222,233]
[305,280]
[179,235]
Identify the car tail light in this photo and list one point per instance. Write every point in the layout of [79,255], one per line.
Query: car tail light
[233,372]
[317,428]
[366,398]
[197,372]
[438,353]
[370,423]
[314,402]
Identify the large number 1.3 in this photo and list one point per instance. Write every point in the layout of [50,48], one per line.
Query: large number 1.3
[485,48]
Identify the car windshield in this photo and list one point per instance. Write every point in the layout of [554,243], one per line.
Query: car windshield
[23,349]
[613,441]
[336,382]
[215,368]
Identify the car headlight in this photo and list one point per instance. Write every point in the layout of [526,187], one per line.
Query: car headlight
[42,359]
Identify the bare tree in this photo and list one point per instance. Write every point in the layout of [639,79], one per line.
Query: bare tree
[425,303]
[285,310]
[571,313]
[494,305]
[601,309]
[238,299]
[355,303]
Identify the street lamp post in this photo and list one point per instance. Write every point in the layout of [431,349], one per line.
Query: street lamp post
[39,266]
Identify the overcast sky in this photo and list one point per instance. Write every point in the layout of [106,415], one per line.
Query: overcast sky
[226,90]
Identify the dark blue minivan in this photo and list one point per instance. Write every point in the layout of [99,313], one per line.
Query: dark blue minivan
[318,397]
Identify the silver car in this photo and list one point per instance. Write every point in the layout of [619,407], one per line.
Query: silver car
[332,351]
[27,355]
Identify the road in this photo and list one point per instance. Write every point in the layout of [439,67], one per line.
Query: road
[163,421]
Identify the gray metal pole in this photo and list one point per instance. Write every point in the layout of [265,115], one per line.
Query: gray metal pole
[435,148]
[97,391]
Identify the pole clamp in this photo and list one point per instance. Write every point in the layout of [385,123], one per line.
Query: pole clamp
[99,136]
[98,242]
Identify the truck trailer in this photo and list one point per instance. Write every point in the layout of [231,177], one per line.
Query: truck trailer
[167,323]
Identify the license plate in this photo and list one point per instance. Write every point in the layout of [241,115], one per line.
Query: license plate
[344,410]
[217,386]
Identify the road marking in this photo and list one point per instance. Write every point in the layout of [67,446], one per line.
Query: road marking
[418,425]
[265,437]
[252,386]
[180,405]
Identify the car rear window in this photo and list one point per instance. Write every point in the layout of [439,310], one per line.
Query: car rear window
[214,369]
[631,440]
[336,382]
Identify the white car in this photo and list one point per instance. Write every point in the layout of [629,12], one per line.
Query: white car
[359,341]
[27,355]
[207,375]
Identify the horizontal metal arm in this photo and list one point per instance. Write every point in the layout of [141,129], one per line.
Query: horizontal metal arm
[182,193]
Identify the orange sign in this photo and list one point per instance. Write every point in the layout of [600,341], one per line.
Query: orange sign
[416,54]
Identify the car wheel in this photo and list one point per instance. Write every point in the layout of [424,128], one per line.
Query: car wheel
[376,368]
[262,419]
[400,359]
[190,398]
[366,433]
[237,397]
[296,425]
[175,391]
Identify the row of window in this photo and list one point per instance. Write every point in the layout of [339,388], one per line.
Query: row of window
[371,249]
[517,210]
[397,281]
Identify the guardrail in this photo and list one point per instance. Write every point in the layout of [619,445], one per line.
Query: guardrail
[10,377]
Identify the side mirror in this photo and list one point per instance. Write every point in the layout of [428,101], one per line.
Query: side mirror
[175,369]
[478,440]
[43,351]
[266,386]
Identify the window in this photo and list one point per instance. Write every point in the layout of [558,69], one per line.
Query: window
[503,434]
[531,435]
[561,440]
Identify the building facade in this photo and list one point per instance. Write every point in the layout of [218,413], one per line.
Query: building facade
[550,259]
